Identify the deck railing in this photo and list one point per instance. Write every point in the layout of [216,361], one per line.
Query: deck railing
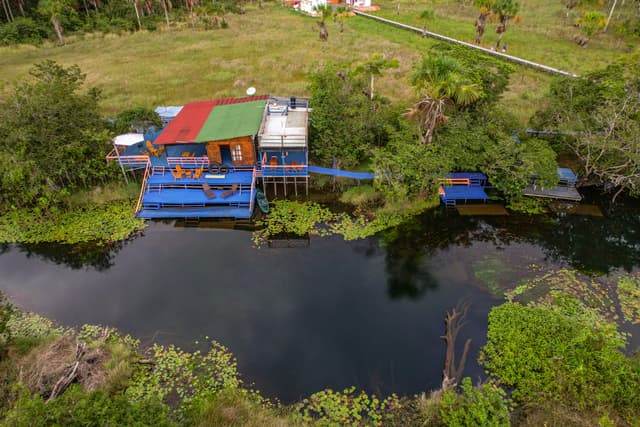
[253,184]
[138,160]
[142,188]
[202,161]
[454,181]
[283,169]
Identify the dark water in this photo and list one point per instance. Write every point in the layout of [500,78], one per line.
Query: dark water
[367,313]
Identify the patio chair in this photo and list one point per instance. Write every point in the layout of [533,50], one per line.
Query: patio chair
[177,173]
[183,172]
[229,192]
[197,173]
[208,191]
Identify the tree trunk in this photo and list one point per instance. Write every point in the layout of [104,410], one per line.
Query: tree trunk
[452,373]
[135,6]
[500,29]
[480,27]
[58,28]
[371,94]
[6,11]
[398,8]
[324,34]
[606,25]
[86,8]
[166,14]
[193,20]
[21,7]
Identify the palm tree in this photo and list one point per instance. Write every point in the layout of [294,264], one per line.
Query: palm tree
[425,16]
[374,66]
[325,12]
[506,10]
[340,13]
[480,23]
[441,83]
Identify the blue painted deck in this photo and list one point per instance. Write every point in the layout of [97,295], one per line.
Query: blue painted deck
[168,197]
[342,173]
[464,192]
[452,193]
[230,178]
[192,196]
[196,212]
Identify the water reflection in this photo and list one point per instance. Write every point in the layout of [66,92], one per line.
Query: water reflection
[367,313]
[97,257]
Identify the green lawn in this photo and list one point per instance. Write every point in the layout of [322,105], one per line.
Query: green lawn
[273,49]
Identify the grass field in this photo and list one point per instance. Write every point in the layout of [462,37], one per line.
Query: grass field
[273,49]
[543,34]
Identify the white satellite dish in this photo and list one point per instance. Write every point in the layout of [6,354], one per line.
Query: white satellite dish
[251,91]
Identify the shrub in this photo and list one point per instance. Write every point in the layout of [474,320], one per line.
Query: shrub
[22,30]
[6,310]
[77,408]
[475,406]
[562,353]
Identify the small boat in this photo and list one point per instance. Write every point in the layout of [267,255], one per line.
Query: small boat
[262,201]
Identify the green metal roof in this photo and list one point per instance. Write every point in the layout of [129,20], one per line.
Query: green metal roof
[232,121]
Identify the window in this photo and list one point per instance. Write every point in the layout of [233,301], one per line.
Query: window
[236,154]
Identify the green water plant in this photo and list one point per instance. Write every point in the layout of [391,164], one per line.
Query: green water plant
[347,407]
[97,224]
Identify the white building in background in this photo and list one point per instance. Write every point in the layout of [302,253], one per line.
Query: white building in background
[308,6]
[358,3]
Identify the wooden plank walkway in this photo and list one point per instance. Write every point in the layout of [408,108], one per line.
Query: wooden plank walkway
[485,209]
[575,209]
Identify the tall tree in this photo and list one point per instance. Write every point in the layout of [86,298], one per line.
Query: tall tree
[425,16]
[52,139]
[599,117]
[53,10]
[441,82]
[505,10]
[374,67]
[324,12]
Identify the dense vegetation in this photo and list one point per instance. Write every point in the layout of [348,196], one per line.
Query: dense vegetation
[53,146]
[34,21]
[556,352]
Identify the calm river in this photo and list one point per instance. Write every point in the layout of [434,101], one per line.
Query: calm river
[367,313]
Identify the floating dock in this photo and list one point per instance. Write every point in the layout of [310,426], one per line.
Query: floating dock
[462,187]
[565,190]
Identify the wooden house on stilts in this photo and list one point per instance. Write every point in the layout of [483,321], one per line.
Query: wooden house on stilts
[208,160]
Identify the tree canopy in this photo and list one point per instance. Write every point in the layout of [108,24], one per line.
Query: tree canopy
[52,139]
[598,119]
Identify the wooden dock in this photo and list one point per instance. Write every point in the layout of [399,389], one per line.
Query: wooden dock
[575,209]
[480,210]
[559,193]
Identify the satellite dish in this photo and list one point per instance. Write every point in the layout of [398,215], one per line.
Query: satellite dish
[251,91]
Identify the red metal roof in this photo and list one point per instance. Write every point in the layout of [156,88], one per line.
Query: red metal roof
[187,124]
